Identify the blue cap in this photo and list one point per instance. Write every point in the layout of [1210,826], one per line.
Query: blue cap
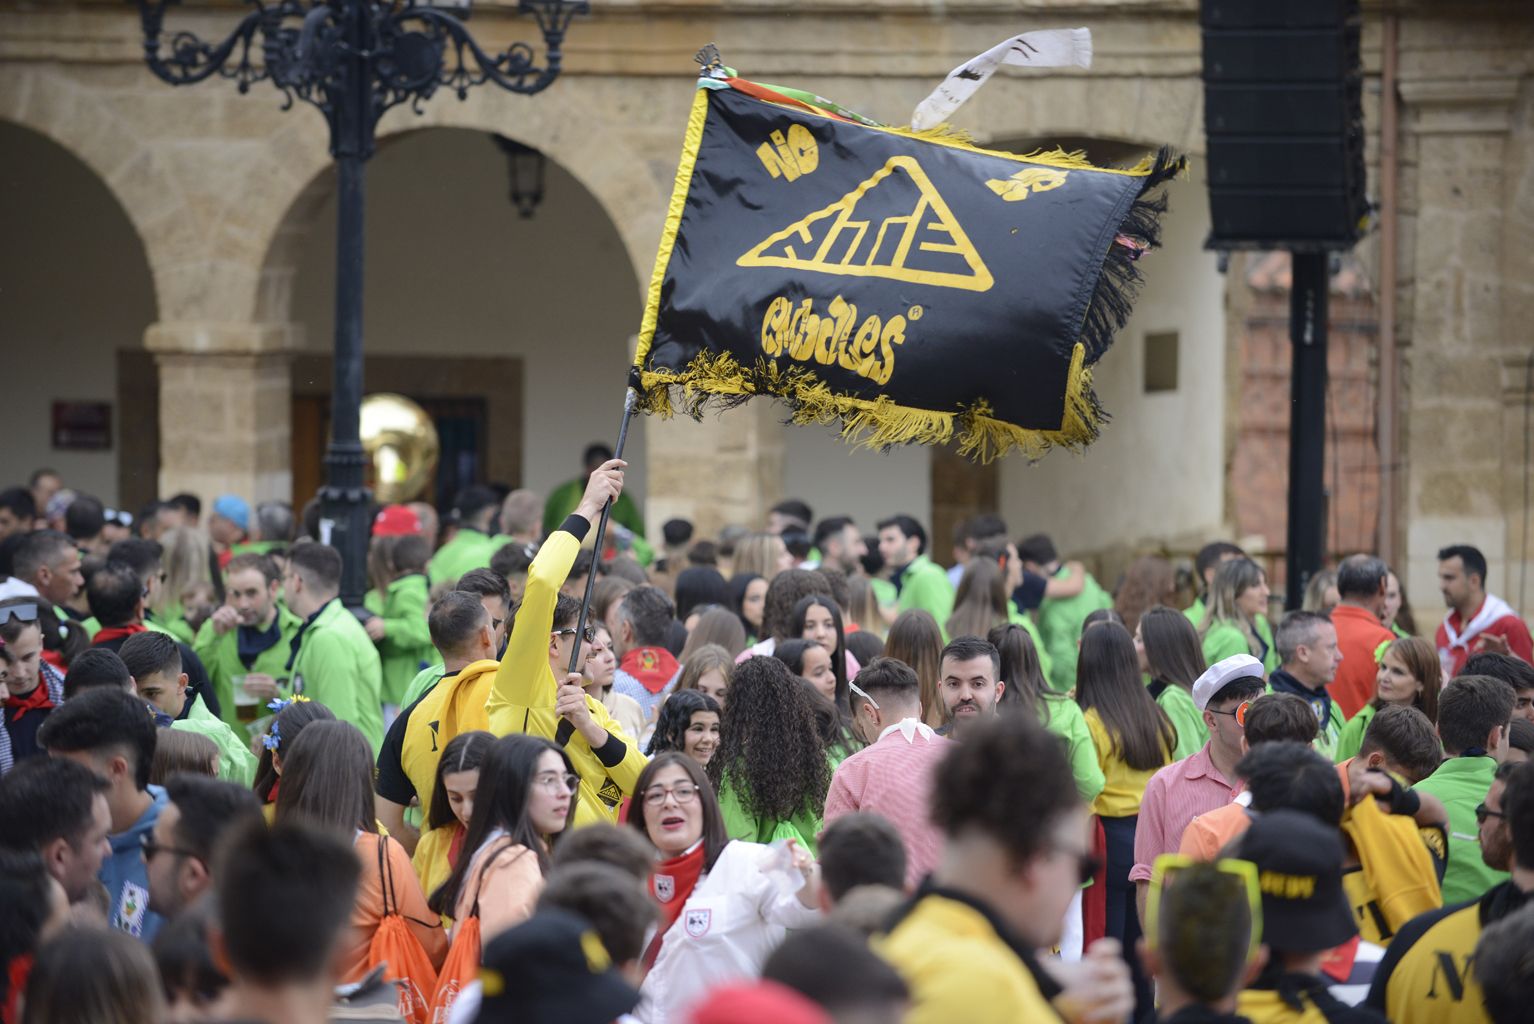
[233,508]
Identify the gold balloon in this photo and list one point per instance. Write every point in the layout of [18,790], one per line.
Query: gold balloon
[401,445]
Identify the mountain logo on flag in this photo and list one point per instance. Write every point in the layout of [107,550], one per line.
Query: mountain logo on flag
[893,225]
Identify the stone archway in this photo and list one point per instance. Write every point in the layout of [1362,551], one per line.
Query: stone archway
[77,296]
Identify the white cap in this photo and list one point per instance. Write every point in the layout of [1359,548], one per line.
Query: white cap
[1237,666]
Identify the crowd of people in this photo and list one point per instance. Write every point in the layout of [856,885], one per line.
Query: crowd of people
[800,773]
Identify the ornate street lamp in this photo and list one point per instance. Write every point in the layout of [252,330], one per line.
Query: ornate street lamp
[353,60]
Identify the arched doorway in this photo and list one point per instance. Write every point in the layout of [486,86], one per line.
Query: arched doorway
[81,394]
[511,331]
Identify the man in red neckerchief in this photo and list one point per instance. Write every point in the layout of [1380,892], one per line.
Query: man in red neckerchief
[1477,621]
[647,670]
[33,688]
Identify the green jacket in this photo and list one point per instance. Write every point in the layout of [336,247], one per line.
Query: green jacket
[1352,738]
[469,549]
[1225,639]
[1060,620]
[564,498]
[1195,612]
[235,761]
[738,822]
[924,585]
[338,666]
[1461,783]
[406,647]
[1023,619]
[220,655]
[1062,716]
[1192,734]
[424,680]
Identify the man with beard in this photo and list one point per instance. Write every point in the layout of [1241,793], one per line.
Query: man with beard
[249,638]
[969,684]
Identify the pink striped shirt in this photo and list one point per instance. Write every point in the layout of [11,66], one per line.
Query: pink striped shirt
[1175,796]
[893,778]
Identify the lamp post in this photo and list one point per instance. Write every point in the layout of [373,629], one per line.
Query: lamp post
[353,60]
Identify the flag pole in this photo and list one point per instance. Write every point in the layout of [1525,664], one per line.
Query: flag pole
[629,398]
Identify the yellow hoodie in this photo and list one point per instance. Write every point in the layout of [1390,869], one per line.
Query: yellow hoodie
[1396,879]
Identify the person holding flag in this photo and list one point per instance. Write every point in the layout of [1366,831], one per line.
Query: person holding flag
[534,690]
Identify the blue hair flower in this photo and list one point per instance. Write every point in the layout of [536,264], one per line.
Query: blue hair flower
[272,740]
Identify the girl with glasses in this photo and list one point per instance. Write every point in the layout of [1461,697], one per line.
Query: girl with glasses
[725,904]
[524,802]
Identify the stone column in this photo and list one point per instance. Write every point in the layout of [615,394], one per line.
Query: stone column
[1453,283]
[225,407]
[726,469]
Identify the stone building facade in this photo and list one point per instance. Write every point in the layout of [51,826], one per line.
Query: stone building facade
[224,198]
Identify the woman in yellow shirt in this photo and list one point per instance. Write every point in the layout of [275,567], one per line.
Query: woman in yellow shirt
[1134,738]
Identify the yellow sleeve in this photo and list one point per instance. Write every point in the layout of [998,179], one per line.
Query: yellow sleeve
[626,772]
[524,681]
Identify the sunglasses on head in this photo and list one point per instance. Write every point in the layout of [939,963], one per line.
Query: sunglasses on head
[19,612]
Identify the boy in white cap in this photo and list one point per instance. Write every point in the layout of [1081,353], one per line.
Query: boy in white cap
[1202,781]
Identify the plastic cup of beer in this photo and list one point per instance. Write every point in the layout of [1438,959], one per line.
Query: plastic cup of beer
[246,705]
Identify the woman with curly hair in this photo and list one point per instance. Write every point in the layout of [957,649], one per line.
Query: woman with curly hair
[688,722]
[771,771]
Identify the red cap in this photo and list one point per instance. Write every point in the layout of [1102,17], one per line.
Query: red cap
[761,1002]
[396,521]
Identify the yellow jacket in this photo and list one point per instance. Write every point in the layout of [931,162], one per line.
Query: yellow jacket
[960,968]
[1396,880]
[523,695]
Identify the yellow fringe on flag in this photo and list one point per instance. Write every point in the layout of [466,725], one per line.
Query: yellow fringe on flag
[718,379]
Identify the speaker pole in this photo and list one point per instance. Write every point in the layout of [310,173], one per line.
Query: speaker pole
[1307,421]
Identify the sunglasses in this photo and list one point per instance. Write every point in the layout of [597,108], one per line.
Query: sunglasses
[19,612]
[150,848]
[588,634]
[1239,714]
[855,688]
[1482,812]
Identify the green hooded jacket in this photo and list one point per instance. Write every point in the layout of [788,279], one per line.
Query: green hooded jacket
[406,647]
[338,666]
[220,654]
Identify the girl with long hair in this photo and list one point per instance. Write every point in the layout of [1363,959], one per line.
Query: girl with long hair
[724,904]
[1028,692]
[600,670]
[915,639]
[93,974]
[292,717]
[772,770]
[688,723]
[1169,653]
[748,600]
[327,781]
[524,802]
[980,603]
[398,600]
[818,620]
[708,670]
[863,608]
[1236,620]
[1411,675]
[810,662]
[1134,739]
[452,805]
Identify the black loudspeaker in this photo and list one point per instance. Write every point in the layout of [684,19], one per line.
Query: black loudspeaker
[1283,115]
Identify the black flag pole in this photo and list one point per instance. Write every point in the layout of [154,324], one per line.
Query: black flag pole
[607,510]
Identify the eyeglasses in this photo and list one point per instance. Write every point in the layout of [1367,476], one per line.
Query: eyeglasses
[855,688]
[684,792]
[149,847]
[1482,812]
[588,634]
[1239,714]
[19,612]
[556,781]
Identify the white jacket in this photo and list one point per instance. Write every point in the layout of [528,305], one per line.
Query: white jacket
[737,914]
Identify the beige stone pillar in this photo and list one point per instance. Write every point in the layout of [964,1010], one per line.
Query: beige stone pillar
[225,407]
[726,469]
[1457,469]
